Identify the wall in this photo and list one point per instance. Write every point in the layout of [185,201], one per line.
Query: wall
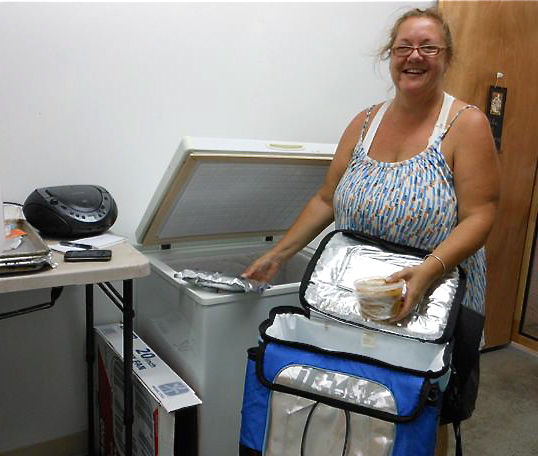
[102,93]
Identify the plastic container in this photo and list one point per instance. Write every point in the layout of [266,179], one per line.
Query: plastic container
[379,300]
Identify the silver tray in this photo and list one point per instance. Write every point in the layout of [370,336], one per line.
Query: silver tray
[31,255]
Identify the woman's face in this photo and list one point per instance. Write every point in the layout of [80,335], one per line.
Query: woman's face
[417,73]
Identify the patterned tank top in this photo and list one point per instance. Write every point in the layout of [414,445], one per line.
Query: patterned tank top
[411,202]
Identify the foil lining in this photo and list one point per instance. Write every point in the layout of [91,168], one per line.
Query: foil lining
[346,259]
[303,426]
[218,281]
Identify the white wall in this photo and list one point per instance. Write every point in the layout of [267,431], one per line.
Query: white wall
[102,93]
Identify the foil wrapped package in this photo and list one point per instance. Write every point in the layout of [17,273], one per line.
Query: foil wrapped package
[27,252]
[221,282]
[330,290]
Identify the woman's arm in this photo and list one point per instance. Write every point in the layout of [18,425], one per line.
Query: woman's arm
[476,181]
[316,215]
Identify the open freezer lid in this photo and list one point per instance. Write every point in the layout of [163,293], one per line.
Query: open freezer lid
[219,188]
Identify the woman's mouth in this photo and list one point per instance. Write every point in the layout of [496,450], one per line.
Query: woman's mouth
[414,71]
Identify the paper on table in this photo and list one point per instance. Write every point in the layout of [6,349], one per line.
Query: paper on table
[97,242]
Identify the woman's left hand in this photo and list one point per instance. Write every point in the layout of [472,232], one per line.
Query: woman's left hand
[417,281]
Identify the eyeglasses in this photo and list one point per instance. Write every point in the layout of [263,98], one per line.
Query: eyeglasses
[427,50]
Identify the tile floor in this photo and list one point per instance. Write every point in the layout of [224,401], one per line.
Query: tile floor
[505,422]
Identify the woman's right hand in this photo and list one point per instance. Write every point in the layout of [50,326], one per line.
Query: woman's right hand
[264,268]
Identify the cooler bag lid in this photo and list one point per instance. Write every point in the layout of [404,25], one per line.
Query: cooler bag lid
[219,188]
[343,256]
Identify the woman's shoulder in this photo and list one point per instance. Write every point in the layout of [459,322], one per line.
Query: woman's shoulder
[468,131]
[364,117]
[459,104]
[466,116]
[357,128]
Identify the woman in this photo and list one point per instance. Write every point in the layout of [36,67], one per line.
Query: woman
[420,169]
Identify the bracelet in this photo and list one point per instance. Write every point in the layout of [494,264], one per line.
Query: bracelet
[438,259]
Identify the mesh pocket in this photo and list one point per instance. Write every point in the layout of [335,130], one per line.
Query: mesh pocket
[300,426]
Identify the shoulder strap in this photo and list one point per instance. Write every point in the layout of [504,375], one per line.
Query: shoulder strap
[440,125]
[454,119]
[373,128]
[366,121]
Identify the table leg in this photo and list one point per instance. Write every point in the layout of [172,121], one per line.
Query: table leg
[128,316]
[90,360]
[125,304]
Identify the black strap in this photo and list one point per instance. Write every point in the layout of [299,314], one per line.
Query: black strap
[348,430]
[457,436]
[307,424]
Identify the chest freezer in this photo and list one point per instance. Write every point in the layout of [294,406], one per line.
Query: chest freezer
[220,204]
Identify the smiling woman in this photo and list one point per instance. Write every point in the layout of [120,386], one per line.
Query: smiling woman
[419,170]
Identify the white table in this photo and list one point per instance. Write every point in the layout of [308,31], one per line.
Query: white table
[126,264]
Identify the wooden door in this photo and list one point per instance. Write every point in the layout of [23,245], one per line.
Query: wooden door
[492,37]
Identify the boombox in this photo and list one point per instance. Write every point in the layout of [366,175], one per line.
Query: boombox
[70,210]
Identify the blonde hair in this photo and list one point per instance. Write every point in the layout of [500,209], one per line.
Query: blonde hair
[431,13]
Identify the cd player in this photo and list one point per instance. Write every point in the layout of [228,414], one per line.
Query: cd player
[70,210]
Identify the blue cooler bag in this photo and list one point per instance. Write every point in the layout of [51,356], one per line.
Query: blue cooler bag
[327,381]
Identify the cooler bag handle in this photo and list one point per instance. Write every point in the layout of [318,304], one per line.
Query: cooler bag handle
[429,394]
[307,424]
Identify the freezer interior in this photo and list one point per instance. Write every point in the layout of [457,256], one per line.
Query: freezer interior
[231,261]
[235,263]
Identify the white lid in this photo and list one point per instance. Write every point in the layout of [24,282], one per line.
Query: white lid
[217,188]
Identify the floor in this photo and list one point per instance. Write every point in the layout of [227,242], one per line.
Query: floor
[505,422]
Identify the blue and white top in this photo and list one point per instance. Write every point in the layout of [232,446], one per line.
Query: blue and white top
[411,202]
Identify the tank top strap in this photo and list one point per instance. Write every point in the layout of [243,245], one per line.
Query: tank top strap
[366,122]
[454,119]
[367,142]
[440,125]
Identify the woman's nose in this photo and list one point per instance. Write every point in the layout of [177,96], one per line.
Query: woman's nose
[414,54]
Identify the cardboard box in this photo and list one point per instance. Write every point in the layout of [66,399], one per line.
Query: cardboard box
[165,407]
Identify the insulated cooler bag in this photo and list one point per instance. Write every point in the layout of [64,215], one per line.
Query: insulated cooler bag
[325,381]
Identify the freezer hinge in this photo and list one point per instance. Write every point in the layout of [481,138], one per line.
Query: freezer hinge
[166,246]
